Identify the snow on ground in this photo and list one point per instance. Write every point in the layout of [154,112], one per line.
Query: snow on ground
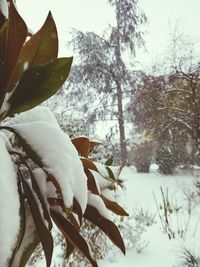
[161,252]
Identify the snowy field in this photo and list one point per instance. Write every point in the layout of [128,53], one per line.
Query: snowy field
[143,191]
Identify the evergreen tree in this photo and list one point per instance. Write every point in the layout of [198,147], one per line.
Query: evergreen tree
[102,68]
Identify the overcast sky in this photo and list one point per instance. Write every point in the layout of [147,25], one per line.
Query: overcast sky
[95,15]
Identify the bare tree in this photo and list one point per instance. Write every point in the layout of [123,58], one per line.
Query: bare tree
[166,107]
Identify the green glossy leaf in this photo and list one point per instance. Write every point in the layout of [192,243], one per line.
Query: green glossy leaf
[17,33]
[44,43]
[38,84]
[72,235]
[40,48]
[110,173]
[43,233]
[109,161]
[108,227]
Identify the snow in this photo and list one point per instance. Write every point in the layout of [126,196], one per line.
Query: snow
[29,236]
[143,193]
[25,66]
[97,202]
[9,205]
[102,169]
[109,194]
[39,113]
[4,7]
[100,181]
[59,157]
[41,178]
[161,252]
[4,137]
[6,105]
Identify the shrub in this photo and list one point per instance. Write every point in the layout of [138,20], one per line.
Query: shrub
[189,259]
[141,156]
[165,160]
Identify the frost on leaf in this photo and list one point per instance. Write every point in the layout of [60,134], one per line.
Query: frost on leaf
[9,207]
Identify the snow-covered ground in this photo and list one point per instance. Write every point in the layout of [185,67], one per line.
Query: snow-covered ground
[143,191]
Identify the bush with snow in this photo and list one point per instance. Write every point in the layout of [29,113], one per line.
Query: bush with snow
[141,156]
[45,176]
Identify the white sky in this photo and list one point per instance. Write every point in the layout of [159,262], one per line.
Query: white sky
[95,15]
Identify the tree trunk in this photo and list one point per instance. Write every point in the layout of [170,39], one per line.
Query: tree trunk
[118,80]
[123,150]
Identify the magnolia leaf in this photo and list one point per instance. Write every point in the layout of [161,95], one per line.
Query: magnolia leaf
[95,143]
[92,186]
[82,145]
[53,201]
[4,8]
[22,212]
[17,33]
[40,48]
[22,223]
[41,199]
[29,240]
[3,39]
[72,235]
[73,221]
[38,84]
[88,164]
[27,148]
[109,161]
[2,29]
[2,19]
[33,155]
[44,234]
[55,183]
[114,207]
[111,176]
[107,226]
[44,43]
[69,250]
[77,209]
